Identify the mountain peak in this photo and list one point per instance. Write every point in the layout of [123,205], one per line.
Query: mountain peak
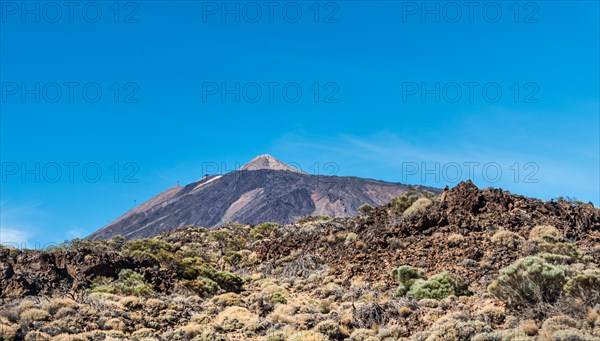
[267,161]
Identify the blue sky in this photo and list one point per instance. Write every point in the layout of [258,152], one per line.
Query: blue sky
[379,83]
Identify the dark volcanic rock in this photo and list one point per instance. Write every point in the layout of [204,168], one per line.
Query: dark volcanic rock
[37,272]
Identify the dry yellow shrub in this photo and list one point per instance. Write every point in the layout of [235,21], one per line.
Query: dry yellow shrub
[34,314]
[55,304]
[507,239]
[545,233]
[420,205]
[455,239]
[37,336]
[233,318]
[114,324]
[529,327]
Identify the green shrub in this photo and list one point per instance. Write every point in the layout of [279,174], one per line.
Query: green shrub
[156,248]
[404,201]
[192,271]
[263,230]
[221,237]
[528,281]
[228,281]
[201,286]
[437,287]
[406,275]
[275,336]
[233,258]
[128,283]
[350,237]
[559,253]
[364,209]
[586,287]
[277,297]
[312,219]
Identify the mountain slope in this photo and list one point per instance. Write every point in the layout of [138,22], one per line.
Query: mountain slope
[265,189]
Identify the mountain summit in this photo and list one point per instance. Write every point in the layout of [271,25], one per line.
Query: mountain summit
[265,189]
[266,161]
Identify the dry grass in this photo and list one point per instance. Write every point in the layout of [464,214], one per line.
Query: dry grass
[420,205]
[55,304]
[455,239]
[545,233]
[507,239]
[114,324]
[234,318]
[34,314]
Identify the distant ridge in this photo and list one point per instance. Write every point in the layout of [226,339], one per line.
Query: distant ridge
[264,189]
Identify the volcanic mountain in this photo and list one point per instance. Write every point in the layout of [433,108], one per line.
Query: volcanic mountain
[265,189]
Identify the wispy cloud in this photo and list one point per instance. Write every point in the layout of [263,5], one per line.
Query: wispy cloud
[16,224]
[385,154]
[13,237]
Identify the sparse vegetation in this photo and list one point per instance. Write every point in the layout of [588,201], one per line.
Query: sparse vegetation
[455,239]
[420,205]
[263,230]
[404,201]
[128,283]
[545,233]
[437,287]
[364,209]
[457,273]
[507,239]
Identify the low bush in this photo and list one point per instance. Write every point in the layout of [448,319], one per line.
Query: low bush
[263,230]
[277,298]
[34,314]
[406,275]
[404,201]
[527,282]
[456,327]
[55,304]
[128,283]
[559,253]
[368,315]
[555,324]
[585,287]
[202,286]
[507,239]
[364,209]
[455,239]
[420,205]
[312,219]
[545,233]
[228,281]
[350,237]
[437,287]
[153,247]
[236,318]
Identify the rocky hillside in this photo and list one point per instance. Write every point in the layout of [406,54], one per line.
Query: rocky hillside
[470,264]
[265,189]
